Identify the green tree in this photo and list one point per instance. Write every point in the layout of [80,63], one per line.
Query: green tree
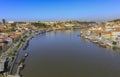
[40,25]
[114,43]
[13,25]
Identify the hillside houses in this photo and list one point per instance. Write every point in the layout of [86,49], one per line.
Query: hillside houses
[10,33]
[109,32]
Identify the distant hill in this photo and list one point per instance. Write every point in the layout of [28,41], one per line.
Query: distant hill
[116,20]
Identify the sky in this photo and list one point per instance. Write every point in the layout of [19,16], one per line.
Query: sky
[45,10]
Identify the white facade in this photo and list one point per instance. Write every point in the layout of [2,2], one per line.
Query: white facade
[118,34]
[10,22]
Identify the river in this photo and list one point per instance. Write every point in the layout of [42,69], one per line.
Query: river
[64,54]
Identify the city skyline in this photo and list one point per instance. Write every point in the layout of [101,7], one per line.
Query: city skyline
[45,10]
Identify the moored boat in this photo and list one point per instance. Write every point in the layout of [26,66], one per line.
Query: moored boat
[102,44]
[95,41]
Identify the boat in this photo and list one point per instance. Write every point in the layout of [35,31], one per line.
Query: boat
[102,44]
[95,41]
[26,54]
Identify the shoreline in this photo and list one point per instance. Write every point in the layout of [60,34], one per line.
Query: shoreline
[12,53]
[101,43]
[19,44]
[35,33]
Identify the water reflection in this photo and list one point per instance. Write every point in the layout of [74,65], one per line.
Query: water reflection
[64,54]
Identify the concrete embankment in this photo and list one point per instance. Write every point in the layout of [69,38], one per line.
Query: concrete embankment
[102,43]
[17,53]
[13,52]
[20,54]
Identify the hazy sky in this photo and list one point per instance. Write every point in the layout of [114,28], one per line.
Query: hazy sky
[59,9]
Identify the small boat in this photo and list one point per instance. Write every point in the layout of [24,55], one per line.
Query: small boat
[21,66]
[102,45]
[95,41]
[26,54]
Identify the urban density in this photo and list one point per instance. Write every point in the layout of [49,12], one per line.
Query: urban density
[14,34]
[59,38]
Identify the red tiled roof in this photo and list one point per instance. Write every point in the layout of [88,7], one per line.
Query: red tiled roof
[1,44]
[106,32]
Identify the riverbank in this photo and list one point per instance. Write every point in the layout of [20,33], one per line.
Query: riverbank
[60,53]
[100,41]
[24,47]
[25,37]
[12,54]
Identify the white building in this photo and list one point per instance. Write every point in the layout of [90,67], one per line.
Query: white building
[10,22]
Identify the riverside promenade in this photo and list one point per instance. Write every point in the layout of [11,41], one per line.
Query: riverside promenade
[11,52]
[18,44]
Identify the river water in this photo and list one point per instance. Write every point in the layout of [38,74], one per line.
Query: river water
[64,54]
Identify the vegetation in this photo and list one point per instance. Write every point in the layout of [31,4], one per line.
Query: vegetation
[114,43]
[24,37]
[21,40]
[84,22]
[6,31]
[11,54]
[40,25]
[115,20]
[14,26]
[21,22]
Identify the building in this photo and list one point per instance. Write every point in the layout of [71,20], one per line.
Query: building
[10,22]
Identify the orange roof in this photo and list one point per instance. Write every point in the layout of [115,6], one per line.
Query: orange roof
[102,26]
[1,44]
[6,35]
[1,40]
[2,28]
[116,30]
[2,37]
[106,32]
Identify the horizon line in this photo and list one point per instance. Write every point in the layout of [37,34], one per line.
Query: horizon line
[48,20]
